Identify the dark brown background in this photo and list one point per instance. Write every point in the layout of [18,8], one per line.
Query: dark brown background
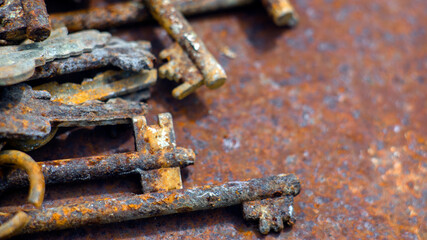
[340,101]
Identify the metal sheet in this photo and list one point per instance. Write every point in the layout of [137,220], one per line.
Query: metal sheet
[339,101]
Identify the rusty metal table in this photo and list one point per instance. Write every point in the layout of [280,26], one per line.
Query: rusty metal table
[340,101]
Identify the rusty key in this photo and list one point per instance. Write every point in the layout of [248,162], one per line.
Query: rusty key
[116,14]
[17,63]
[180,69]
[103,86]
[28,117]
[156,152]
[13,158]
[268,199]
[132,56]
[179,29]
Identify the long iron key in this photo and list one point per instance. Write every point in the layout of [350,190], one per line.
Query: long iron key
[156,158]
[268,199]
[29,115]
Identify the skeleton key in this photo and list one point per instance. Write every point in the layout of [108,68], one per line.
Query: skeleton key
[130,56]
[268,199]
[103,86]
[27,116]
[156,158]
[120,13]
[181,31]
[17,63]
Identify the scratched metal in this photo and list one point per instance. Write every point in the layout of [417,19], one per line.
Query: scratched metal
[339,101]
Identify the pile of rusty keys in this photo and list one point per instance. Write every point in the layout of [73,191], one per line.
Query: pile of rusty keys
[31,115]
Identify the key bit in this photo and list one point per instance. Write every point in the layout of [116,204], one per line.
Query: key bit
[159,138]
[181,69]
[181,31]
[17,63]
[26,114]
[272,213]
[102,87]
[156,150]
[118,209]
[129,56]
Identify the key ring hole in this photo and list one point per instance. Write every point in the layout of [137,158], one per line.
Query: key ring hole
[21,160]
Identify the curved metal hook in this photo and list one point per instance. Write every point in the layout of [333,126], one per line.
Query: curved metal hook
[36,194]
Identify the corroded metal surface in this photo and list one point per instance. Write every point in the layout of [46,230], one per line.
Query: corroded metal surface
[181,31]
[282,12]
[180,68]
[30,114]
[130,56]
[13,25]
[95,167]
[107,210]
[103,86]
[17,62]
[16,159]
[126,12]
[339,100]
[272,213]
[37,19]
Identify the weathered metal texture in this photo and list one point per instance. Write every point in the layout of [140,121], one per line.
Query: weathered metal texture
[339,100]
[16,159]
[17,63]
[180,68]
[29,114]
[103,86]
[159,138]
[282,12]
[90,168]
[272,213]
[117,14]
[21,19]
[181,31]
[37,19]
[129,56]
[119,209]
[13,25]
[96,167]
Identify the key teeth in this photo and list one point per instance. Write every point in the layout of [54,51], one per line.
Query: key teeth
[154,137]
[180,68]
[272,213]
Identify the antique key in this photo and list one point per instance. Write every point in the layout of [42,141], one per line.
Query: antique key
[28,117]
[120,13]
[103,86]
[268,199]
[66,53]
[132,56]
[156,158]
